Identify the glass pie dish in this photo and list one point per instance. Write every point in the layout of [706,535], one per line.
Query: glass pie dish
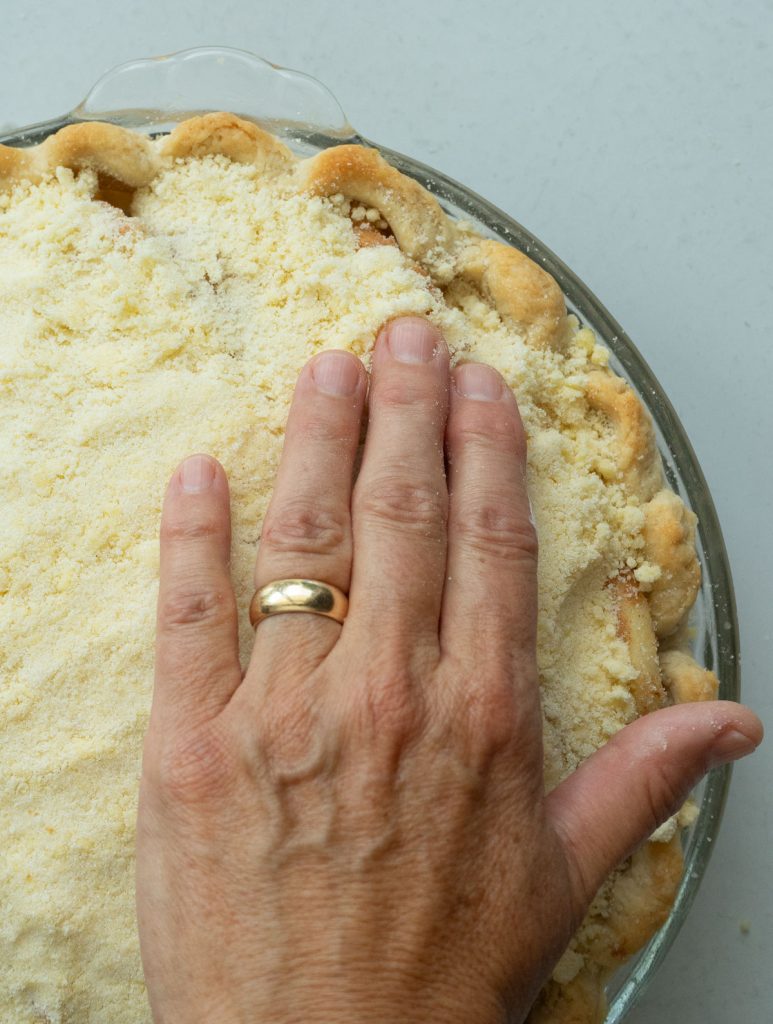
[152,96]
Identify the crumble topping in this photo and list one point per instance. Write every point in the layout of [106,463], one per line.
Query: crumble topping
[127,343]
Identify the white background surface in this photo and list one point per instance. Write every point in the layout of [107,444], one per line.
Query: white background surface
[636,141]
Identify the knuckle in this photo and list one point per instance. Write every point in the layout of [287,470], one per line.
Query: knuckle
[286,737]
[392,502]
[583,885]
[303,528]
[490,714]
[494,528]
[325,430]
[486,434]
[398,391]
[664,793]
[192,604]
[183,530]
[196,769]
[387,708]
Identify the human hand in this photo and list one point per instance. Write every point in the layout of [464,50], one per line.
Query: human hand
[356,829]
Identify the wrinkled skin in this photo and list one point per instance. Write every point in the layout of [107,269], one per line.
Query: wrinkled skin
[355,828]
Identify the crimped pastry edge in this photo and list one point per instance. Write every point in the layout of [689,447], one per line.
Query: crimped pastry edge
[522,292]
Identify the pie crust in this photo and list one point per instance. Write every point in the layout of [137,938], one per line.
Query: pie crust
[593,459]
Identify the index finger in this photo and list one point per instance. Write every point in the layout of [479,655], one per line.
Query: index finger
[197,653]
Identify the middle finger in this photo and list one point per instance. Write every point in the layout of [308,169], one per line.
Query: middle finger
[400,501]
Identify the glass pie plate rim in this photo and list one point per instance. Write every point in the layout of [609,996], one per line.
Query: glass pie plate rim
[152,94]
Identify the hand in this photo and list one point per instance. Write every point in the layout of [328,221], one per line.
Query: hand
[356,829]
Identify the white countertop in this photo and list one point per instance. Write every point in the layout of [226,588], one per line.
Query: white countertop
[636,141]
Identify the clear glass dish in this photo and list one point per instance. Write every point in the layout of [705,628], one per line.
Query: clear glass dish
[153,95]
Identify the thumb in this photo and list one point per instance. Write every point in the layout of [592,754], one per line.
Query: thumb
[629,787]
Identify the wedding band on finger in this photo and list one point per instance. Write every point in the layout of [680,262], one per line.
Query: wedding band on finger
[298,595]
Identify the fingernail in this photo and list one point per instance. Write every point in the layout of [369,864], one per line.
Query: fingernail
[412,339]
[475,380]
[336,373]
[730,746]
[197,474]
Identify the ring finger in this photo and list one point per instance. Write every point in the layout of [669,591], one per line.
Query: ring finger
[307,529]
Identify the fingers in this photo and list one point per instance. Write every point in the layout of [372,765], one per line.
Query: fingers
[400,499]
[307,530]
[197,659]
[490,599]
[621,794]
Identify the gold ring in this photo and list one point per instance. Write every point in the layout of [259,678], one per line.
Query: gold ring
[298,596]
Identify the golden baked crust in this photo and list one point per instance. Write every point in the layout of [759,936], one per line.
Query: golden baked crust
[638,460]
[634,625]
[619,570]
[105,148]
[669,540]
[520,290]
[685,679]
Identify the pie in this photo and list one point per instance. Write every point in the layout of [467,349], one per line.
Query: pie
[159,297]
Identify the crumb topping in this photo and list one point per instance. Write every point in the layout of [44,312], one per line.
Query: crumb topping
[127,343]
